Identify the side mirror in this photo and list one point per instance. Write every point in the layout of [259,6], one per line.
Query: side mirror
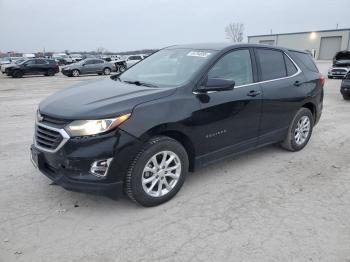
[217,84]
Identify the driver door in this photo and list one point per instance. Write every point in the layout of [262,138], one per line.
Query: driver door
[30,67]
[228,121]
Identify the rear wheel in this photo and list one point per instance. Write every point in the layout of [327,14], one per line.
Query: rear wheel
[122,68]
[106,71]
[299,131]
[157,172]
[50,72]
[75,73]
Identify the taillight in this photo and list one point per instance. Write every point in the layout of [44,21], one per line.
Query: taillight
[322,80]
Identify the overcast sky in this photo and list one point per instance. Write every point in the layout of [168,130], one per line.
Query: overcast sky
[122,25]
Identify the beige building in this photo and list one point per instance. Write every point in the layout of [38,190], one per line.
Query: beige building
[323,44]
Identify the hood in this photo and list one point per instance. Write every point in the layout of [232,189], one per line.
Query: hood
[99,99]
[70,66]
[9,65]
[343,62]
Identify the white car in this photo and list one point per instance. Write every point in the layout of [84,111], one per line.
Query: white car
[133,59]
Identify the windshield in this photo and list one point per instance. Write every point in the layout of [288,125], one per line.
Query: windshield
[168,67]
[19,61]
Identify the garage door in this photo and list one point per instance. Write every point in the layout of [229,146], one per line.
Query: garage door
[329,46]
[267,42]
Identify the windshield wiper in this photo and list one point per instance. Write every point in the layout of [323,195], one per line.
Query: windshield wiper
[139,83]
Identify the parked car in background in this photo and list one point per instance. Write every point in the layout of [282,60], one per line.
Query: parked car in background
[15,62]
[4,61]
[345,87]
[28,56]
[128,135]
[76,57]
[341,65]
[36,66]
[62,58]
[89,66]
[133,59]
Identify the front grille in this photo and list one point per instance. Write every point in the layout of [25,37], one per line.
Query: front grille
[47,138]
[339,71]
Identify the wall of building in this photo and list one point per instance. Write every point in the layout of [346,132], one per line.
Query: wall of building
[304,41]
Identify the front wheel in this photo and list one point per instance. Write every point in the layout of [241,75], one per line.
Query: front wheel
[157,172]
[299,131]
[75,73]
[17,74]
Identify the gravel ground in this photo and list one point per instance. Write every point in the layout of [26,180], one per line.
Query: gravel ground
[265,205]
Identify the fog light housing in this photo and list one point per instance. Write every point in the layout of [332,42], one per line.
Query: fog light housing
[100,168]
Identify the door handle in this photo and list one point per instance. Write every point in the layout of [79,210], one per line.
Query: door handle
[254,93]
[297,83]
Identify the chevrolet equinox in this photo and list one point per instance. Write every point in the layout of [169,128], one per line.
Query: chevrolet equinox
[180,109]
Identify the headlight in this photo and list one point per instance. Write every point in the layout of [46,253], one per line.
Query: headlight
[93,127]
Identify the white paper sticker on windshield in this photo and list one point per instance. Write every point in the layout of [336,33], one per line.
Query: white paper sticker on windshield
[198,54]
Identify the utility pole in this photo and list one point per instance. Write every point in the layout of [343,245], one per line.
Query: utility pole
[337,26]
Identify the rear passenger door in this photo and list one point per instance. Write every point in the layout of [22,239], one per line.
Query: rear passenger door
[89,67]
[41,66]
[99,65]
[282,85]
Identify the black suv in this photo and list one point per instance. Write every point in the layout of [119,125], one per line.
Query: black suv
[35,66]
[182,108]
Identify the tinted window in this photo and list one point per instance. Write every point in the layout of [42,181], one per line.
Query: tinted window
[235,66]
[291,69]
[135,58]
[30,62]
[271,64]
[40,62]
[305,60]
[98,61]
[89,62]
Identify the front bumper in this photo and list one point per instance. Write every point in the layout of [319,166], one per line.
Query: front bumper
[66,72]
[70,166]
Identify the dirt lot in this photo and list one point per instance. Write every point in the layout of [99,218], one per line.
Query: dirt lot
[266,205]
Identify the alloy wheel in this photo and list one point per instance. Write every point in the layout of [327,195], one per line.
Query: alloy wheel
[75,73]
[302,130]
[161,173]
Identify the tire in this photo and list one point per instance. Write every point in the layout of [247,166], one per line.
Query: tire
[293,142]
[346,97]
[137,177]
[50,72]
[121,68]
[107,71]
[17,74]
[75,73]
[99,74]
[330,77]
